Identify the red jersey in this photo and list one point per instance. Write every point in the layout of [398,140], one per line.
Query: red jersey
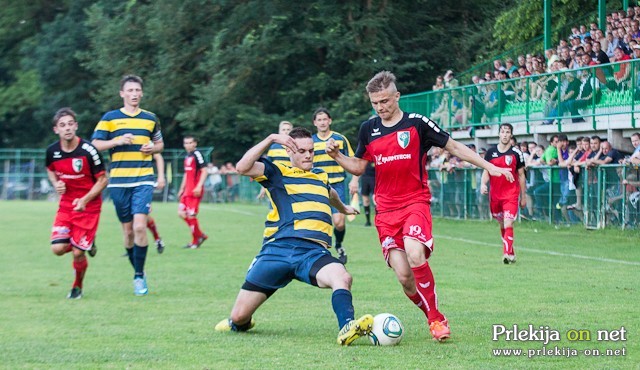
[500,187]
[193,163]
[400,157]
[78,170]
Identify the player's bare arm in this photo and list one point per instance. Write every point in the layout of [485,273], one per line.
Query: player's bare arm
[197,190]
[96,189]
[522,178]
[353,165]
[354,185]
[335,201]
[484,187]
[248,165]
[162,180]
[463,152]
[101,145]
[57,184]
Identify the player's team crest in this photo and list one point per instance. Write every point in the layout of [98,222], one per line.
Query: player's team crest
[508,159]
[76,163]
[403,139]
[189,161]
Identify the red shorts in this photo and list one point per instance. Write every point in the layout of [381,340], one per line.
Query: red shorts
[77,228]
[502,209]
[413,221]
[190,205]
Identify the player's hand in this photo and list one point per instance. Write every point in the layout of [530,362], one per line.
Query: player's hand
[197,191]
[125,139]
[261,194]
[332,148]
[285,140]
[523,202]
[161,183]
[484,189]
[147,148]
[79,204]
[180,192]
[353,187]
[497,171]
[61,187]
[348,210]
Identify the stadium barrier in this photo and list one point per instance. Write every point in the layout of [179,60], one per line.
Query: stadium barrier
[604,200]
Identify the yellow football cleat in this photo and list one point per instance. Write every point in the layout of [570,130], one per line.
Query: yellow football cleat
[225,325]
[355,329]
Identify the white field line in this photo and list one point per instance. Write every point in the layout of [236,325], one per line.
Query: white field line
[551,253]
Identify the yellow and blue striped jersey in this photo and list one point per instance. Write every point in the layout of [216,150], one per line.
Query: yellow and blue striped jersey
[323,161]
[129,166]
[278,154]
[300,203]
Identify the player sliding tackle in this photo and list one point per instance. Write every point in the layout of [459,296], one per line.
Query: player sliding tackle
[398,142]
[296,237]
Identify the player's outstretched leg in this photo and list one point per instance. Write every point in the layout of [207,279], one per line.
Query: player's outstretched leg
[355,329]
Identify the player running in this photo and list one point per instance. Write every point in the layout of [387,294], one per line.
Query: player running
[191,190]
[296,237]
[398,143]
[76,171]
[503,194]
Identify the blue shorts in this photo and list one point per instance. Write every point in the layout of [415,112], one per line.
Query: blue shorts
[131,201]
[341,189]
[283,260]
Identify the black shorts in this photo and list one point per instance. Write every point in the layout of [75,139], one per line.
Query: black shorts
[367,185]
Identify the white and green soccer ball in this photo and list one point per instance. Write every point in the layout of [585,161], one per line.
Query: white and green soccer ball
[387,330]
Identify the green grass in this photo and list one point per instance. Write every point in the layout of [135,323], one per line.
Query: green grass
[591,282]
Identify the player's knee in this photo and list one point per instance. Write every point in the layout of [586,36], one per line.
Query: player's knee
[416,257]
[346,279]
[139,228]
[182,214]
[60,249]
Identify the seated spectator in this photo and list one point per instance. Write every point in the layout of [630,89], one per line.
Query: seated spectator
[494,101]
[600,56]
[521,60]
[550,95]
[568,97]
[635,31]
[510,66]
[613,41]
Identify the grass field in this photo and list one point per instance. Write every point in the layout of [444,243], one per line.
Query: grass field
[566,279]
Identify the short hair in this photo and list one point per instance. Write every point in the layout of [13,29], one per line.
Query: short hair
[284,123]
[66,111]
[636,134]
[596,137]
[579,138]
[585,139]
[554,137]
[563,137]
[321,110]
[130,78]
[190,137]
[300,133]
[508,125]
[381,81]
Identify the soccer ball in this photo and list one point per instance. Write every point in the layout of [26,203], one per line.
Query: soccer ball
[387,330]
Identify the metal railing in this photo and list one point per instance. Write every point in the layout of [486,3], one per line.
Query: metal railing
[536,99]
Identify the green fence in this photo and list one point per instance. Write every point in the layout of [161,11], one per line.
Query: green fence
[537,99]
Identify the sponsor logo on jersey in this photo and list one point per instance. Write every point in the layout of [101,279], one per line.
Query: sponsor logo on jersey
[390,158]
[403,139]
[376,132]
[57,155]
[76,163]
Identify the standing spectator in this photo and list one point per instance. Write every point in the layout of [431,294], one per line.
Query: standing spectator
[191,190]
[565,158]
[402,193]
[215,179]
[232,181]
[439,84]
[449,80]
[76,170]
[635,156]
[337,175]
[535,178]
[503,198]
[611,155]
[552,180]
[132,136]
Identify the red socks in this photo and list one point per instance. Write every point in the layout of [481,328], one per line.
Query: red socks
[507,240]
[80,265]
[151,224]
[195,228]
[427,291]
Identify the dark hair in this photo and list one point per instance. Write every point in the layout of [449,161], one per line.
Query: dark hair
[300,133]
[130,78]
[596,137]
[321,110]
[563,137]
[585,139]
[191,137]
[636,134]
[508,125]
[66,111]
